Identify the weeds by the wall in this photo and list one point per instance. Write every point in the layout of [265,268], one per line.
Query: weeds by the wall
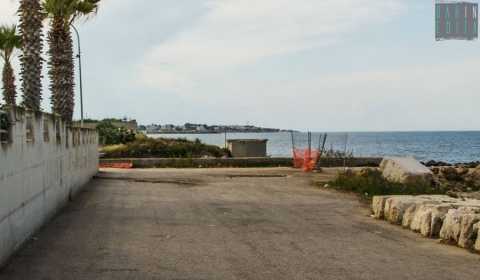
[370,182]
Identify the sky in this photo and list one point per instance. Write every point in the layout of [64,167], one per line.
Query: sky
[330,65]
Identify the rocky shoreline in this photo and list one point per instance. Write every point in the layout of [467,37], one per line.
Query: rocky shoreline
[434,163]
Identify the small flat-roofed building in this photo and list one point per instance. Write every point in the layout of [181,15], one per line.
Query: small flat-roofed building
[248,147]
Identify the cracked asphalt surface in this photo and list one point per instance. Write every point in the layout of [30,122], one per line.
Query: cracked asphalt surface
[200,224]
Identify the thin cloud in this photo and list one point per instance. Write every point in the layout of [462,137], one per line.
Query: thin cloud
[240,32]
[8,11]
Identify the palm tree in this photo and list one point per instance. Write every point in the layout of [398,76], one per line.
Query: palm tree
[31,60]
[62,14]
[9,41]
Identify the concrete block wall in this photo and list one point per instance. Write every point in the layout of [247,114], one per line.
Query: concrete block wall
[236,162]
[350,162]
[43,163]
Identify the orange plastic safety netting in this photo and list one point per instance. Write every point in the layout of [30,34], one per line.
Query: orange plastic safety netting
[306,159]
[120,165]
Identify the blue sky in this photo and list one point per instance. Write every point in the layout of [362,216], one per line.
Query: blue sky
[330,65]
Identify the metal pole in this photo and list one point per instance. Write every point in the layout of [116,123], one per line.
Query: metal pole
[309,144]
[345,153]
[79,56]
[293,141]
[226,143]
[323,144]
[293,149]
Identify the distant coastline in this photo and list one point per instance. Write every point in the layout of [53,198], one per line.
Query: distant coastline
[211,132]
[190,128]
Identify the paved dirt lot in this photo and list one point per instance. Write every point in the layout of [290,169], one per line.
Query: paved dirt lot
[227,224]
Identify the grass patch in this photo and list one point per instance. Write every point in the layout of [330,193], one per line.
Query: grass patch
[144,147]
[370,182]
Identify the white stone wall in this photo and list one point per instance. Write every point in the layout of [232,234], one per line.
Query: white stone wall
[37,177]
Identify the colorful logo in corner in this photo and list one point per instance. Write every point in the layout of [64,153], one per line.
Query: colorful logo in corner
[456,20]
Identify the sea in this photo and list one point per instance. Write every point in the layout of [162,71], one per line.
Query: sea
[448,146]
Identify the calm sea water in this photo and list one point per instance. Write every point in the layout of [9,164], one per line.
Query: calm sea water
[451,147]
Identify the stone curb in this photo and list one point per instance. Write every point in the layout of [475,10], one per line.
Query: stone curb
[454,221]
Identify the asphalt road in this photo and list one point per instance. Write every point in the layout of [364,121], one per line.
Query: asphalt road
[227,224]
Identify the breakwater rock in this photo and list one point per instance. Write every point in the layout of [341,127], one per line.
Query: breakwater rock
[433,163]
[452,220]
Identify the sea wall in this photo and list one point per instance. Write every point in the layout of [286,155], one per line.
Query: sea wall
[350,162]
[43,163]
[235,162]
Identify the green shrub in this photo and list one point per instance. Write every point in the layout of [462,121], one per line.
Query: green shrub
[111,135]
[4,121]
[140,136]
[144,147]
[370,182]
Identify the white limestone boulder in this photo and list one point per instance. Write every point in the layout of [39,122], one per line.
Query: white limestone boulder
[476,229]
[468,232]
[378,206]
[409,215]
[405,170]
[426,211]
[452,224]
[428,218]
[396,206]
[454,220]
[421,216]
[434,206]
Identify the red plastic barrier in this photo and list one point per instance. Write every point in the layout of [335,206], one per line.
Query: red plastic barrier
[305,159]
[120,165]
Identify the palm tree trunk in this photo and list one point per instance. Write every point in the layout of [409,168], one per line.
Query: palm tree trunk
[31,60]
[61,69]
[9,88]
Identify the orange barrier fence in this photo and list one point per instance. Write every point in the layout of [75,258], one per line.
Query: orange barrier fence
[120,165]
[306,159]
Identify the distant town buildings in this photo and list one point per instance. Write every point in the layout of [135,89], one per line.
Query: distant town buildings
[125,123]
[202,128]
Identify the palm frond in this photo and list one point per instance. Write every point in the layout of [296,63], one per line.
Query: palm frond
[70,10]
[9,40]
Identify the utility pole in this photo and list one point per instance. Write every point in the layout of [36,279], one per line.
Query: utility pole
[79,56]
